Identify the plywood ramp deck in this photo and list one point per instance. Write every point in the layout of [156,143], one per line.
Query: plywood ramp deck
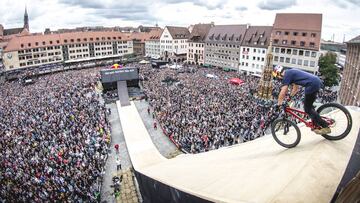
[256,171]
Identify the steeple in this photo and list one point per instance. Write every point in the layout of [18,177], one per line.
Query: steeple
[265,87]
[26,19]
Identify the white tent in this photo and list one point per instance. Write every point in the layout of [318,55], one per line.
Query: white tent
[211,76]
[144,62]
[176,66]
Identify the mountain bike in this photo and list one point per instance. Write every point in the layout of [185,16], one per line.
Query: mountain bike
[287,134]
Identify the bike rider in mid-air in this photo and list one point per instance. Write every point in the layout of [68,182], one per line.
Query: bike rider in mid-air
[312,85]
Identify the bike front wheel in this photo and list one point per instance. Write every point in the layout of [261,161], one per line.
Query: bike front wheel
[285,132]
[338,118]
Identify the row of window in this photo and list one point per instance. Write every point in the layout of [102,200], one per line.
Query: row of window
[172,41]
[29,63]
[39,55]
[294,43]
[192,56]
[254,58]
[295,52]
[304,34]
[222,57]
[300,62]
[222,45]
[196,51]
[256,66]
[103,48]
[196,45]
[79,56]
[221,63]
[224,51]
[71,40]
[38,49]
[72,45]
[247,50]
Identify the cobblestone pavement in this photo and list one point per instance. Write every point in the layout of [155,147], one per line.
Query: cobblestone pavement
[161,141]
[117,137]
[128,189]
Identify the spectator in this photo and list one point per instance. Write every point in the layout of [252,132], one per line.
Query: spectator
[54,139]
[116,148]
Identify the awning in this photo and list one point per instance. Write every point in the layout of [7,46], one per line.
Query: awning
[236,81]
[207,65]
[226,69]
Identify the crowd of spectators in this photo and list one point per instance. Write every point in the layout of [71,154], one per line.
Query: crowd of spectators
[204,113]
[54,139]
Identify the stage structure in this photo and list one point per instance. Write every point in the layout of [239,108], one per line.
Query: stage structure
[265,87]
[120,79]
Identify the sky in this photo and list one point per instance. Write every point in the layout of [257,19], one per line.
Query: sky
[340,17]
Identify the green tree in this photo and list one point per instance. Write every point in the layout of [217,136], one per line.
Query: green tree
[328,69]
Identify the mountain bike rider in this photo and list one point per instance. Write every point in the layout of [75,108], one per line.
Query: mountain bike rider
[312,85]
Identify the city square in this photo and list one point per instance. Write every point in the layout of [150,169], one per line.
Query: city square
[135,105]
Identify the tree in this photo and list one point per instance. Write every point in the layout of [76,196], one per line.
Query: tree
[328,69]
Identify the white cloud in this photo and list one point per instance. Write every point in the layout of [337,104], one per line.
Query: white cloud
[339,17]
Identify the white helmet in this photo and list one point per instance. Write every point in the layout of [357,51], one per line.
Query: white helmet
[277,71]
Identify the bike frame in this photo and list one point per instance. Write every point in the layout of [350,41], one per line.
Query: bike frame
[309,124]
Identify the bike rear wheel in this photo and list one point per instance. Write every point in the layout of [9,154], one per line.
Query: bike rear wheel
[285,132]
[339,118]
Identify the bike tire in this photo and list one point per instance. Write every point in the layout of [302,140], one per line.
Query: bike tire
[274,129]
[348,117]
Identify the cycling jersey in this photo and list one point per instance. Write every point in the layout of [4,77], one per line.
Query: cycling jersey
[311,82]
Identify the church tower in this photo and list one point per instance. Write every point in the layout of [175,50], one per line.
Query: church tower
[26,20]
[266,86]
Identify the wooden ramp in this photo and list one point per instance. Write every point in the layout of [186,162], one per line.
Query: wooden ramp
[256,171]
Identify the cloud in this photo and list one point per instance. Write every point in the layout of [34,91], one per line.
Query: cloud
[241,8]
[355,2]
[135,13]
[346,3]
[276,4]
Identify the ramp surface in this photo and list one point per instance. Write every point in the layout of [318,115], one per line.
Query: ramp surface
[256,171]
[123,93]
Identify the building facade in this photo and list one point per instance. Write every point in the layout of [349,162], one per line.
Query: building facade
[350,83]
[296,40]
[253,49]
[173,43]
[37,50]
[196,44]
[139,47]
[152,44]
[222,46]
